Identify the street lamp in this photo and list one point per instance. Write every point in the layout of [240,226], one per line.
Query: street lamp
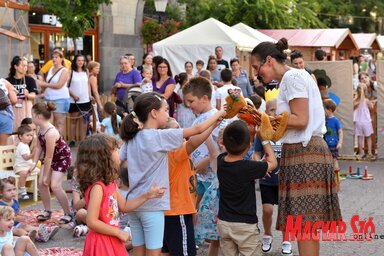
[160,6]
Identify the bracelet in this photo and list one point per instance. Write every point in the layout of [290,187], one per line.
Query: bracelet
[265,142]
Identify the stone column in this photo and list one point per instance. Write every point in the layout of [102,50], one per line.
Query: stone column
[119,33]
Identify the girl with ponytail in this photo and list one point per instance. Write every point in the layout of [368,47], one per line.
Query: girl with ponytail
[111,122]
[145,148]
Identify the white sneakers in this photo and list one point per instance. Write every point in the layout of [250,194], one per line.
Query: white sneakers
[286,248]
[266,243]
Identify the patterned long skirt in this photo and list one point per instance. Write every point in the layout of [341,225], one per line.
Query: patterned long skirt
[307,184]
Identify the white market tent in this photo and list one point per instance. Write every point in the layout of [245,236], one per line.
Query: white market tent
[253,33]
[200,40]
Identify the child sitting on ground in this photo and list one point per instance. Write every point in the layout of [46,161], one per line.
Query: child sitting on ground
[237,205]
[78,205]
[8,245]
[8,194]
[23,158]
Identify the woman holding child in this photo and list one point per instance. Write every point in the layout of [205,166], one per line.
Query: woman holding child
[307,186]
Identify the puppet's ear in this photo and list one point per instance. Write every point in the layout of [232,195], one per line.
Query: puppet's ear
[280,126]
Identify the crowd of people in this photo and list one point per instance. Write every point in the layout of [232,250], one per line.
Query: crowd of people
[165,171]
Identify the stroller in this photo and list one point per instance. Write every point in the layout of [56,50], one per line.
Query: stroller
[126,106]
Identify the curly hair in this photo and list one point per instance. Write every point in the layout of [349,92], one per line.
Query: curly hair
[94,161]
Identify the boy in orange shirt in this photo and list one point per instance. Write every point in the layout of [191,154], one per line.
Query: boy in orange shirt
[179,237]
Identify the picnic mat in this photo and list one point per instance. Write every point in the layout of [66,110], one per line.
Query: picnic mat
[30,217]
[59,251]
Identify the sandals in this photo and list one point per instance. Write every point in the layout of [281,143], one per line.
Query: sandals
[46,215]
[64,220]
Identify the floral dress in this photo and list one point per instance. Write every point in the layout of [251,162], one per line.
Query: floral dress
[100,244]
[61,156]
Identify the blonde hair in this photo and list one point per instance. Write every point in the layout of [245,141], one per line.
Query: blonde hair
[361,92]
[61,55]
[92,65]
[6,212]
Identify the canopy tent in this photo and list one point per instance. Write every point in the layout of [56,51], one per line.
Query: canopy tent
[309,40]
[253,32]
[199,41]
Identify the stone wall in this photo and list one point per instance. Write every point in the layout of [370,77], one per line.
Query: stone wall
[119,33]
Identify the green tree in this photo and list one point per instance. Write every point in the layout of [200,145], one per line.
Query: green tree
[358,16]
[76,16]
[272,14]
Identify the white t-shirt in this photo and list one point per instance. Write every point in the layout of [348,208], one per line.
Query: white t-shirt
[298,83]
[146,87]
[222,92]
[22,149]
[79,87]
[147,157]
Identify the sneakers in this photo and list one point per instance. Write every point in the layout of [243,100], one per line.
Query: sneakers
[266,243]
[24,196]
[286,248]
[46,233]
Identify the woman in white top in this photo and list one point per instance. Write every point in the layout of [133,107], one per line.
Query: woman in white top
[307,186]
[80,91]
[56,89]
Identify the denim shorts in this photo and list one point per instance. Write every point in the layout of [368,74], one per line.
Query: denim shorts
[62,105]
[147,229]
[6,123]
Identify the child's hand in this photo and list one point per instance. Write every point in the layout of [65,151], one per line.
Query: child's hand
[156,192]
[338,146]
[124,236]
[223,112]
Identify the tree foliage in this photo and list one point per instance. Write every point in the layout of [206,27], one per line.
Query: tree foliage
[76,16]
[359,16]
[272,14]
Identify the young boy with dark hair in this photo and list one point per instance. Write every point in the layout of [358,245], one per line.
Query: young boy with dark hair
[334,135]
[237,219]
[222,92]
[199,66]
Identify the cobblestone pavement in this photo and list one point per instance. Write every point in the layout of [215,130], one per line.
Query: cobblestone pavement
[364,198]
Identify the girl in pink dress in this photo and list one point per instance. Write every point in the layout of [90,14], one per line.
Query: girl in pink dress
[362,120]
[97,166]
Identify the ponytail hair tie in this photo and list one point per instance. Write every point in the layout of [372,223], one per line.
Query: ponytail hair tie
[136,120]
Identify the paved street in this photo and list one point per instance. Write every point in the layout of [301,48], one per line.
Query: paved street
[364,198]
